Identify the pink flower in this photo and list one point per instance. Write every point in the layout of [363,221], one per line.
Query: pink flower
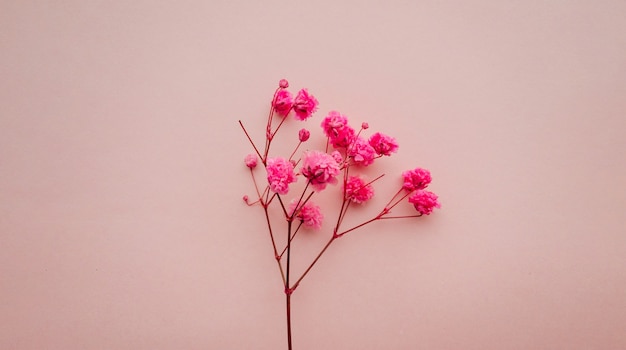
[251,161]
[282,102]
[383,144]
[336,128]
[283,83]
[319,168]
[357,190]
[280,174]
[424,201]
[337,157]
[303,135]
[416,179]
[365,126]
[361,152]
[304,105]
[310,214]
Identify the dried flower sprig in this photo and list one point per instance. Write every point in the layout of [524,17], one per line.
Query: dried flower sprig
[321,168]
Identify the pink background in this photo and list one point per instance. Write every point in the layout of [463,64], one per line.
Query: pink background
[121,174]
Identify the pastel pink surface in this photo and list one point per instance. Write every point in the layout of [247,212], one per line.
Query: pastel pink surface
[121,174]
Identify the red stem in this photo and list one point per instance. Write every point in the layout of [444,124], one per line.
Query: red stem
[268,129]
[400,217]
[276,256]
[288,301]
[292,237]
[295,285]
[252,143]
[288,289]
[295,150]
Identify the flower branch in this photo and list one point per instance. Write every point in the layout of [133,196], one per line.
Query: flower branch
[345,153]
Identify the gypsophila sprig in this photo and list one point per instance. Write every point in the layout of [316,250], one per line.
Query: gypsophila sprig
[336,169]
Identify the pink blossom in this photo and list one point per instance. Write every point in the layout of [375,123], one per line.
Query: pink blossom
[337,157]
[319,168]
[383,144]
[310,214]
[365,126]
[303,135]
[251,161]
[424,201]
[361,152]
[282,102]
[280,174]
[357,190]
[336,128]
[283,83]
[416,179]
[304,105]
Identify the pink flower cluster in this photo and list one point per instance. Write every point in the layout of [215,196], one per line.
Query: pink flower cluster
[336,128]
[337,157]
[283,102]
[280,174]
[424,201]
[357,190]
[416,181]
[319,168]
[309,213]
[304,105]
[362,152]
[383,145]
[351,151]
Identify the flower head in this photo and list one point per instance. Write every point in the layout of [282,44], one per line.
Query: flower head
[365,126]
[416,179]
[280,174]
[383,144]
[319,168]
[337,157]
[424,201]
[282,102]
[357,190]
[309,213]
[336,128]
[303,135]
[361,152]
[283,83]
[304,105]
[251,161]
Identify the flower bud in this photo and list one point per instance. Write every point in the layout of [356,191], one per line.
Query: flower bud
[365,125]
[283,83]
[251,161]
[304,135]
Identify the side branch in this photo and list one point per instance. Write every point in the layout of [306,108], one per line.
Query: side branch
[251,142]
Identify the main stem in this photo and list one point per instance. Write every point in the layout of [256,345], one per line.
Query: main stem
[288,289]
[288,320]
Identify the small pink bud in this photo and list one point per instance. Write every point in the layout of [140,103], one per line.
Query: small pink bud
[304,135]
[245,198]
[365,125]
[251,161]
[283,83]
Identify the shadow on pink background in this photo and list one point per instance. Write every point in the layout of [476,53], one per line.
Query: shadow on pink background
[121,174]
